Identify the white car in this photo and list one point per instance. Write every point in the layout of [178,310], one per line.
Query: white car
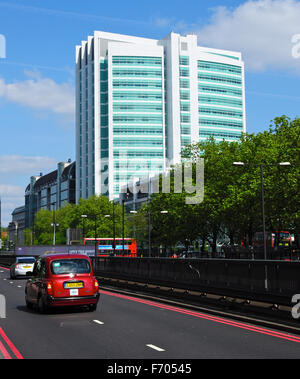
[21,266]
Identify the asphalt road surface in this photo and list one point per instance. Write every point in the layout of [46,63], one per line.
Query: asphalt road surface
[125,327]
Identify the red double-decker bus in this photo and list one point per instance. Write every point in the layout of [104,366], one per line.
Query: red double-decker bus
[106,247]
[281,239]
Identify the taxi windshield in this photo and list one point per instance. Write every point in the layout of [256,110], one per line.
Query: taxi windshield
[284,236]
[25,260]
[70,266]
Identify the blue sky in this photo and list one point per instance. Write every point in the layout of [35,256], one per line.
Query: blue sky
[37,74]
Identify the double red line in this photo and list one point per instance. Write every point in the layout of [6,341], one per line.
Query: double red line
[4,268]
[253,328]
[7,348]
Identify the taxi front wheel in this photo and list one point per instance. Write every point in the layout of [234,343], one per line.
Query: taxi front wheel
[42,306]
[92,307]
[29,305]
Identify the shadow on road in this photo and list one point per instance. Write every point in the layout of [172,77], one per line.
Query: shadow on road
[54,311]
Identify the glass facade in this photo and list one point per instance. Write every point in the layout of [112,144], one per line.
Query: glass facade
[137,118]
[184,85]
[80,131]
[220,101]
[86,128]
[50,191]
[104,108]
[140,101]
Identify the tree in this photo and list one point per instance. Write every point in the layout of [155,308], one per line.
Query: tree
[232,195]
[69,216]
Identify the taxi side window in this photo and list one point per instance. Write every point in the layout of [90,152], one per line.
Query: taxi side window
[35,268]
[43,269]
[39,268]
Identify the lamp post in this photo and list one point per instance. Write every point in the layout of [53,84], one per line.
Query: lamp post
[165,213]
[106,216]
[125,197]
[123,226]
[261,166]
[114,228]
[0,225]
[149,230]
[95,237]
[149,234]
[134,213]
[83,222]
[54,224]
[16,233]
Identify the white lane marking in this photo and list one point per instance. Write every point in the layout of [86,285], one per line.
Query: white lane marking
[19,286]
[11,282]
[98,322]
[155,347]
[4,279]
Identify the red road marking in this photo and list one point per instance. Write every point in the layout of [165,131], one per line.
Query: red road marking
[4,351]
[220,320]
[10,344]
[12,347]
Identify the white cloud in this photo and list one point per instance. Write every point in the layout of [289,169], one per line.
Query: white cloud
[10,191]
[15,168]
[163,22]
[11,198]
[17,164]
[262,30]
[40,93]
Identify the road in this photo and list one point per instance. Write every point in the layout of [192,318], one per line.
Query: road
[125,327]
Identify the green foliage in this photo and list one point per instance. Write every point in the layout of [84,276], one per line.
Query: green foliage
[232,194]
[70,216]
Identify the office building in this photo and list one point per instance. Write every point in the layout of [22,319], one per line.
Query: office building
[50,191]
[139,101]
[16,227]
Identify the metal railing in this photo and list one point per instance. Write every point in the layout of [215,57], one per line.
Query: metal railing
[271,281]
[230,277]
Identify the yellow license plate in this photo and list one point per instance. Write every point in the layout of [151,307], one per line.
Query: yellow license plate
[73,285]
[27,267]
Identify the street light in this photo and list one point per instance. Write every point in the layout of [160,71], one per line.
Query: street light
[134,212]
[16,232]
[54,228]
[83,222]
[114,228]
[164,213]
[263,204]
[54,224]
[95,234]
[125,195]
[106,216]
[149,230]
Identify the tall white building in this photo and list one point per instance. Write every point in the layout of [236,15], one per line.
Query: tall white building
[139,101]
